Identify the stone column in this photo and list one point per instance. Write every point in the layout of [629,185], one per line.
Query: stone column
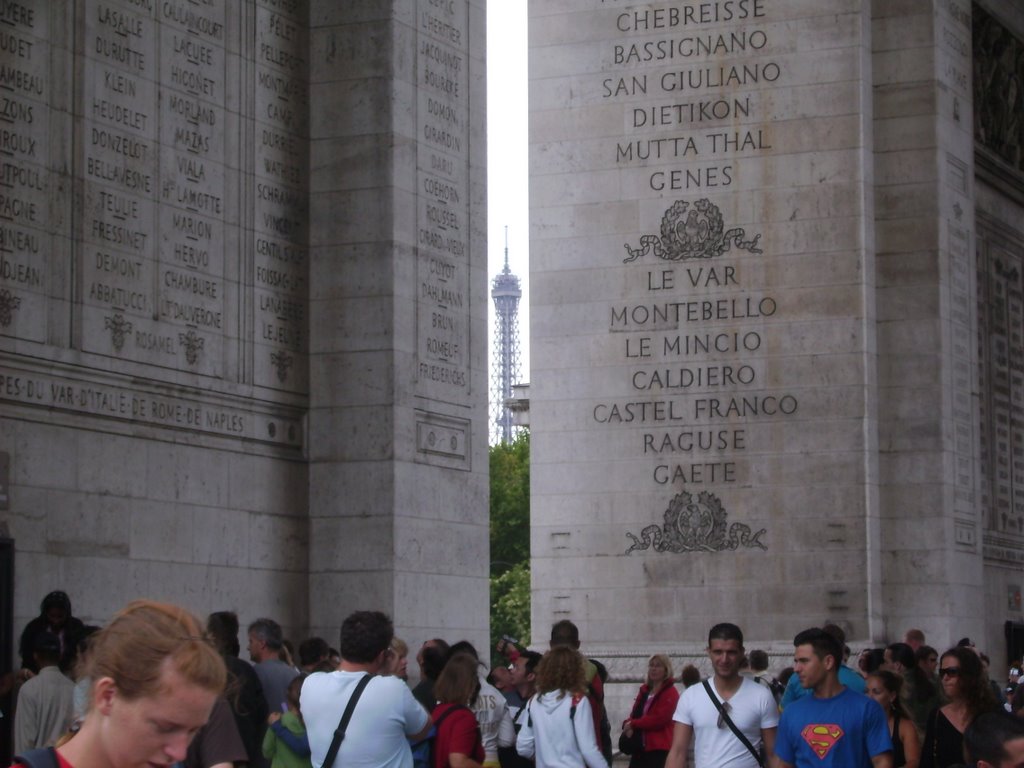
[927,351]
[398,383]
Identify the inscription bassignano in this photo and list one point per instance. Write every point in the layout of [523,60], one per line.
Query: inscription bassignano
[695,339]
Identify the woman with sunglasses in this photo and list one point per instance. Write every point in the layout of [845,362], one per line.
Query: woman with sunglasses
[969,694]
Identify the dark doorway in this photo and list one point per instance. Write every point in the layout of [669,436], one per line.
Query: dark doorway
[1014,640]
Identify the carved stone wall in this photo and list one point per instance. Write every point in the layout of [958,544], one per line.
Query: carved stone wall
[181,321]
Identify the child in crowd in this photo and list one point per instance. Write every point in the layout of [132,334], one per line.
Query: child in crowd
[286,744]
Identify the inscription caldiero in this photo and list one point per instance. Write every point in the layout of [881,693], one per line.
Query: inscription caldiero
[443,221]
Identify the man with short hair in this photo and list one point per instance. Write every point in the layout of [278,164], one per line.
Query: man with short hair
[313,651]
[847,676]
[898,658]
[247,702]
[386,716]
[265,642]
[927,661]
[995,740]
[834,727]
[44,706]
[748,705]
[523,677]
[914,638]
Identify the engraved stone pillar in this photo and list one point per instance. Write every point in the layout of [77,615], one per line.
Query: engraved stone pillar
[398,439]
[927,351]
[702,391]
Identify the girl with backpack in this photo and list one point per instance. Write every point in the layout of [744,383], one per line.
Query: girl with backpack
[457,742]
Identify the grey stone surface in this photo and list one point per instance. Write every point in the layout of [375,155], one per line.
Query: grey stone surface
[795,187]
[242,273]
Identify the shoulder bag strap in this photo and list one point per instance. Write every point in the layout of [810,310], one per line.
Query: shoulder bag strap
[339,733]
[43,757]
[572,720]
[732,726]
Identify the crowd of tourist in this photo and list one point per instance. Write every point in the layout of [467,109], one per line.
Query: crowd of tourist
[157,688]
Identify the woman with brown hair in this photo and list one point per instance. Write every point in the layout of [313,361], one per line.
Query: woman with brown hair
[969,694]
[885,687]
[559,727]
[155,679]
[457,743]
[649,727]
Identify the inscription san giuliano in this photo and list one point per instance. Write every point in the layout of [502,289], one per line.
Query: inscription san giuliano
[694,338]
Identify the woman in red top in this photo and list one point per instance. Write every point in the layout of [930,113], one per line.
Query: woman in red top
[652,714]
[457,743]
[155,679]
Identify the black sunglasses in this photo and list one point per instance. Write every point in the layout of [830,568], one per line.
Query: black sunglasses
[949,672]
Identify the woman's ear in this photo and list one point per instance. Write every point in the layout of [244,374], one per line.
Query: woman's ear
[104,691]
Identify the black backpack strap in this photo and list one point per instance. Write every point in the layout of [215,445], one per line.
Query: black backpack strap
[732,726]
[44,757]
[339,733]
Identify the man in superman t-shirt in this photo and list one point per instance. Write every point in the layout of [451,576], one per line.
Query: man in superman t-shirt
[835,727]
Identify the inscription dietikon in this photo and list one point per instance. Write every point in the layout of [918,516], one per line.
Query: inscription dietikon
[24,170]
[690,78]
[443,228]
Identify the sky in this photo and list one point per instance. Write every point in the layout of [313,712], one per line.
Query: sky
[507,150]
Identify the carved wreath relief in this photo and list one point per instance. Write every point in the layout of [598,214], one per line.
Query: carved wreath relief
[700,525]
[8,303]
[696,526]
[695,233]
[119,329]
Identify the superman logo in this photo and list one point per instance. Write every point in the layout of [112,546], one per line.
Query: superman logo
[821,738]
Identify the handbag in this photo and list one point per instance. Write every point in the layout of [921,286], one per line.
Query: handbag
[633,745]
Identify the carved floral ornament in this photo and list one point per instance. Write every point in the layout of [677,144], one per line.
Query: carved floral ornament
[696,526]
[119,329]
[692,233]
[8,303]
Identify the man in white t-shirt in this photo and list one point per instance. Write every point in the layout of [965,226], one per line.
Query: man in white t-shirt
[748,705]
[385,717]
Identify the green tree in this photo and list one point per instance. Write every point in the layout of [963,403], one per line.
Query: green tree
[510,539]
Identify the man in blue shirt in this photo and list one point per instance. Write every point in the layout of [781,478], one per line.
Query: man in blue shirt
[848,677]
[834,727]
